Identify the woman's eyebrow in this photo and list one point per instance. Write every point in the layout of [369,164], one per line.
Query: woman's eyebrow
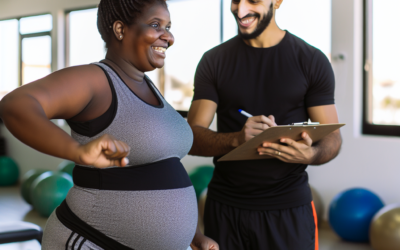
[157,19]
[160,20]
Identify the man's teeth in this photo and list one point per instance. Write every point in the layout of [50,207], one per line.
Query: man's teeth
[248,20]
[160,49]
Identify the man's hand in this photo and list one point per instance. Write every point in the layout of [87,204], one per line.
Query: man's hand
[202,242]
[254,126]
[295,151]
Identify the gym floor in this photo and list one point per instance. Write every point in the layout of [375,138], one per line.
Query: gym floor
[14,208]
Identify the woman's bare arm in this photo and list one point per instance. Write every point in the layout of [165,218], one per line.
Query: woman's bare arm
[64,94]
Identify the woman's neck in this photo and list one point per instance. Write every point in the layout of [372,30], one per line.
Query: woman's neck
[125,66]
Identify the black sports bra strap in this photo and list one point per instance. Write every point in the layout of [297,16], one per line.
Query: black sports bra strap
[96,125]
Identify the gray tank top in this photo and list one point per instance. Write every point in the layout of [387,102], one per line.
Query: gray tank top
[154,133]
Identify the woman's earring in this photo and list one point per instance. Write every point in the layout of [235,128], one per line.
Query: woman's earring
[120,37]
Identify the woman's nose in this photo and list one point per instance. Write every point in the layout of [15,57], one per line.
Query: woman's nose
[168,37]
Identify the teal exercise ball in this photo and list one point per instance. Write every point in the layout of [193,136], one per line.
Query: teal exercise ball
[9,171]
[200,178]
[66,167]
[27,180]
[49,190]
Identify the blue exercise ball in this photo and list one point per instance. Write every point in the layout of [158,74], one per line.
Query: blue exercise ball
[351,213]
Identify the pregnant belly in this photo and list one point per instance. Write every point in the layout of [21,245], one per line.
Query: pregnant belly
[151,219]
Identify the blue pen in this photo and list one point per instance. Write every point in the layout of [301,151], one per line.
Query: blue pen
[245,113]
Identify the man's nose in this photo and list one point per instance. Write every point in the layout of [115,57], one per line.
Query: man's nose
[243,9]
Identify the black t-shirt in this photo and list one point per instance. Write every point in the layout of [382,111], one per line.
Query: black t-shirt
[283,80]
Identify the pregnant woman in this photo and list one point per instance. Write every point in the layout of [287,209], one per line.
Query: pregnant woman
[131,190]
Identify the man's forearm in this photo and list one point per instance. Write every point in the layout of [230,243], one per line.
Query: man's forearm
[209,143]
[327,148]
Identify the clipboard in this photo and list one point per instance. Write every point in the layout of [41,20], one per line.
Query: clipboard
[248,150]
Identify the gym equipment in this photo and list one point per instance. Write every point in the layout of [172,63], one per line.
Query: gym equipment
[318,204]
[19,231]
[49,190]
[351,212]
[385,228]
[27,181]
[201,206]
[200,178]
[202,203]
[9,171]
[66,167]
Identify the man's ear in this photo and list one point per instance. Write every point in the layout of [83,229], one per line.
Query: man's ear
[278,4]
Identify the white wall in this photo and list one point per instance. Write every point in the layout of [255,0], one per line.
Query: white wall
[365,161]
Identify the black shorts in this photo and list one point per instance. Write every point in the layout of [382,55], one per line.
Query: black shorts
[239,229]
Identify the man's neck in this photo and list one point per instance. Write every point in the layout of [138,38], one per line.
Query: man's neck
[271,36]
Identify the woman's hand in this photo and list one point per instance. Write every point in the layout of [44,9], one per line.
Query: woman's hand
[104,152]
[202,242]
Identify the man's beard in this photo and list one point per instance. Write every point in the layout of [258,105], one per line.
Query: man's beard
[261,26]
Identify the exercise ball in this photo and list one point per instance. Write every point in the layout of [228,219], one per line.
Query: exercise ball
[202,203]
[385,228]
[201,207]
[66,167]
[9,171]
[200,178]
[27,181]
[318,204]
[49,190]
[351,213]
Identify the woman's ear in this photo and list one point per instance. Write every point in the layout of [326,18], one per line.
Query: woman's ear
[118,29]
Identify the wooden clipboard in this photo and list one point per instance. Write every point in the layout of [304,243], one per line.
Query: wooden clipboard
[248,150]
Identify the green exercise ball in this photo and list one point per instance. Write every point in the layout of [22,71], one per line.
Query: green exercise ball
[200,178]
[66,167]
[49,190]
[9,171]
[27,180]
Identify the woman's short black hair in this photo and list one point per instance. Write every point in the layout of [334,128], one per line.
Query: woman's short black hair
[124,10]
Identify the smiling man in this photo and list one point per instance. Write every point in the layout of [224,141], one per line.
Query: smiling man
[280,79]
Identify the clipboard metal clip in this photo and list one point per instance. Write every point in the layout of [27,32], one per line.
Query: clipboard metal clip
[304,123]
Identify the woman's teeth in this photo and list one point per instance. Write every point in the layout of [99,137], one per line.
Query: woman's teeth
[160,49]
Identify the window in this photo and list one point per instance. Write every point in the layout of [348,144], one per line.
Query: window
[381,114]
[312,26]
[35,47]
[192,39]
[25,50]
[84,43]
[9,40]
[229,25]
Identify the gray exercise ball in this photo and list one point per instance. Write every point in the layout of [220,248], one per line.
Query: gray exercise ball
[318,204]
[384,232]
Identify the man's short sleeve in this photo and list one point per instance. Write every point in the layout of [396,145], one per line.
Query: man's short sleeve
[204,80]
[321,90]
